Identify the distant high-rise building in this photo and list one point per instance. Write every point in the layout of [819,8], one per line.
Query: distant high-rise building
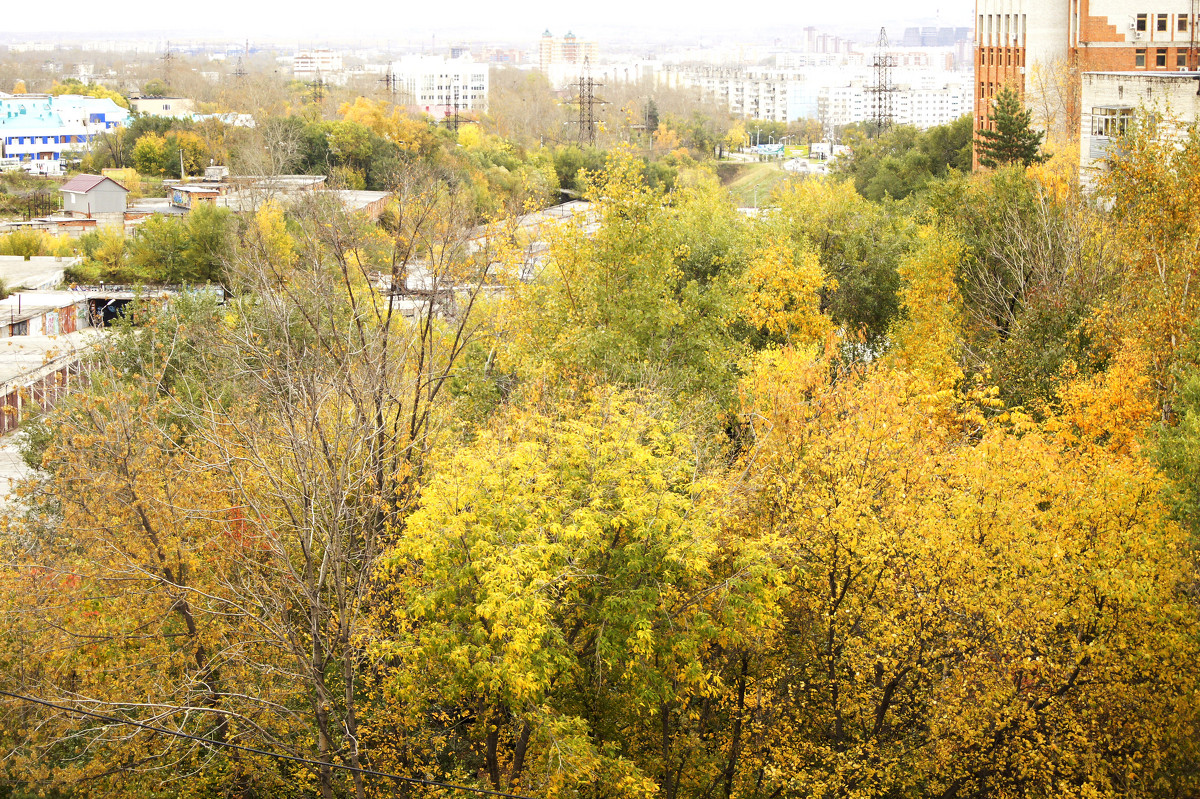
[554,51]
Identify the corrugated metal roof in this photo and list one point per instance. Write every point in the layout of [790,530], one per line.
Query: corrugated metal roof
[82,184]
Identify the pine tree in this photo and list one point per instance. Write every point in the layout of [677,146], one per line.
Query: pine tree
[1010,139]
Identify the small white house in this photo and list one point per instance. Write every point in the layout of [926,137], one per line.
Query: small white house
[88,195]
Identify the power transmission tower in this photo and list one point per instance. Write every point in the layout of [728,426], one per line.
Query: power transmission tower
[389,82]
[587,105]
[168,59]
[239,71]
[882,90]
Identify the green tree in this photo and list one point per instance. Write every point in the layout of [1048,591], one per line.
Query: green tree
[151,156]
[632,304]
[155,88]
[905,161]
[1010,138]
[183,250]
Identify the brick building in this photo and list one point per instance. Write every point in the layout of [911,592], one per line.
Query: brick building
[1016,41]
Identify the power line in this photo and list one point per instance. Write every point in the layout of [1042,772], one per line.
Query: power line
[263,752]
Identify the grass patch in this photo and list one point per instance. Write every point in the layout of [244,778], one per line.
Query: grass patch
[749,182]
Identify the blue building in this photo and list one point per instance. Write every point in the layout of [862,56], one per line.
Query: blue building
[38,130]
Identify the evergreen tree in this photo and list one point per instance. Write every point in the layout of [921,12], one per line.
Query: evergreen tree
[1010,139]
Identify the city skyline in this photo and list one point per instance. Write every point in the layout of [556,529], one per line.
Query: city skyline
[371,19]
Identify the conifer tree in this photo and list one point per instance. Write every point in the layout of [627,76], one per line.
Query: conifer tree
[1011,139]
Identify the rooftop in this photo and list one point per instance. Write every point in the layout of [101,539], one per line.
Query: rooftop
[23,355]
[39,272]
[82,184]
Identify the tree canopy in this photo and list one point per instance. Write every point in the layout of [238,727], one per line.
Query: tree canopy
[845,498]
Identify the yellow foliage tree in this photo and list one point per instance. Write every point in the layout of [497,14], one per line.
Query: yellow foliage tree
[995,613]
[927,338]
[410,134]
[782,297]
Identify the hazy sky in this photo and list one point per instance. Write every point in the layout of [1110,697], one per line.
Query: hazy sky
[376,19]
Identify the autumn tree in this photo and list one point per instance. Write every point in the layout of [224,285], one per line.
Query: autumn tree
[952,625]
[1054,91]
[1159,231]
[258,457]
[565,598]
[859,245]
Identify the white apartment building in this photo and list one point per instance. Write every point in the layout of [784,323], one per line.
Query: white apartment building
[845,104]
[311,64]
[773,95]
[441,86]
[919,98]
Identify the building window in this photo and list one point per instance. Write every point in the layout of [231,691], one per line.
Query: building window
[1162,23]
[1160,57]
[1181,59]
[1139,57]
[1182,23]
[1141,23]
[1111,120]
